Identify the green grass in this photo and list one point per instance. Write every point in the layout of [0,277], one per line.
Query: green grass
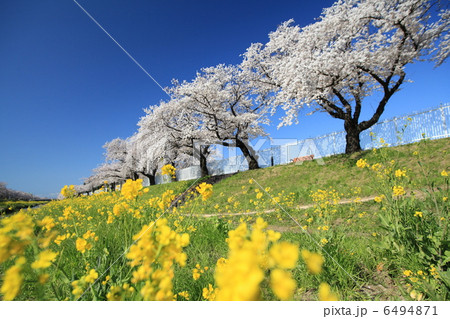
[368,245]
[339,172]
[8,207]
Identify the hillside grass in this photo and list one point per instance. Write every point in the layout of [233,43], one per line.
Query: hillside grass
[395,248]
[339,172]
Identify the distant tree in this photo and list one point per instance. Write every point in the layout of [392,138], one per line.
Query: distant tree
[172,133]
[356,49]
[219,101]
[10,194]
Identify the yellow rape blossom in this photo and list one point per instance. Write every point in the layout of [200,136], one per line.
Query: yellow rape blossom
[325,293]
[284,254]
[313,261]
[91,276]
[400,173]
[68,191]
[407,273]
[44,260]
[13,280]
[205,190]
[398,191]
[282,284]
[130,190]
[82,245]
[209,293]
[168,169]
[362,163]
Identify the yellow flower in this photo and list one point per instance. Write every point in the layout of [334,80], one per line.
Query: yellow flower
[44,260]
[273,236]
[313,261]
[362,163]
[418,214]
[325,293]
[250,181]
[444,173]
[184,294]
[114,294]
[205,190]
[130,190]
[400,173]
[91,277]
[209,293]
[195,274]
[47,223]
[168,169]
[82,245]
[376,167]
[284,254]
[68,191]
[107,278]
[398,191]
[323,241]
[379,199]
[13,280]
[282,284]
[407,273]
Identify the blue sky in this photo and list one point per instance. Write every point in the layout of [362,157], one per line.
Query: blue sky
[66,88]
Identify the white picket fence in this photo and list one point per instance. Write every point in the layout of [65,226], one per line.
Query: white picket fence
[432,124]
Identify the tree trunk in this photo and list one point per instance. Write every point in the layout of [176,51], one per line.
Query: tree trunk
[353,143]
[151,176]
[249,154]
[203,165]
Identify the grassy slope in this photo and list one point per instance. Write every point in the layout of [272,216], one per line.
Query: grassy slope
[339,172]
[354,234]
[356,230]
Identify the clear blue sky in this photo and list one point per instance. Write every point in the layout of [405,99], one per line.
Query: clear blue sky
[66,88]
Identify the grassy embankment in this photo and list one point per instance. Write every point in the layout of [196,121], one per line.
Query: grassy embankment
[393,247]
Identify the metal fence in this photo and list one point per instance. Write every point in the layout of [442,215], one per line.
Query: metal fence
[432,124]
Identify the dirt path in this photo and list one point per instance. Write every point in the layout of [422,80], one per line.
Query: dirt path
[181,198]
[302,207]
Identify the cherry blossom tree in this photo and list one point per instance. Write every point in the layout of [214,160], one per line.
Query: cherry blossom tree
[178,130]
[356,49]
[220,104]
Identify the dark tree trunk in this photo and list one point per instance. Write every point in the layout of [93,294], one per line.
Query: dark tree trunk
[203,165]
[353,142]
[151,177]
[249,154]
